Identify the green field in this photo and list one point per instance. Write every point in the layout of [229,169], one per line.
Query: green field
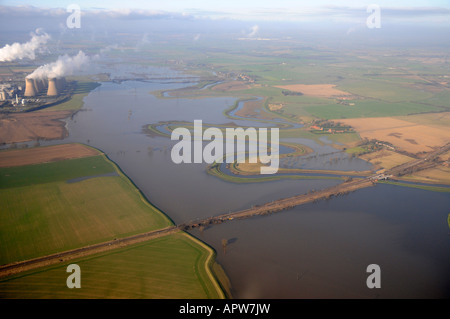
[175,266]
[383,85]
[42,213]
[54,172]
[367,108]
[59,206]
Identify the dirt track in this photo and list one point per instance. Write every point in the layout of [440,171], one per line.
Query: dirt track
[14,268]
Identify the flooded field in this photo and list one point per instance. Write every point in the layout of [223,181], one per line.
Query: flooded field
[316,250]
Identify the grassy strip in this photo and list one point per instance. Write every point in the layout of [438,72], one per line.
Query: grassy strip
[196,91]
[356,150]
[209,269]
[440,189]
[236,169]
[222,279]
[83,88]
[214,170]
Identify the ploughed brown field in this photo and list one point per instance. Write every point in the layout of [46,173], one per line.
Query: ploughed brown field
[319,90]
[46,154]
[407,136]
[24,127]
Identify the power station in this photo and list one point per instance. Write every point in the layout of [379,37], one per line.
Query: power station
[51,86]
[52,89]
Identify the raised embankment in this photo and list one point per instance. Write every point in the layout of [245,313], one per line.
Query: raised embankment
[281,204]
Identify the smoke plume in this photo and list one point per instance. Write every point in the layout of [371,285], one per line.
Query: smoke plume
[19,51]
[254,31]
[65,65]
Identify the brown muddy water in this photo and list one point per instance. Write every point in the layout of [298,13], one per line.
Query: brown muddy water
[316,250]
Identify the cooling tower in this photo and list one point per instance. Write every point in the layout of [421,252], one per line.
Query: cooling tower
[44,85]
[29,87]
[60,84]
[52,88]
[39,85]
[35,86]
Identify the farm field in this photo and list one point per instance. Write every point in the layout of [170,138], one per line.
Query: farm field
[38,155]
[438,175]
[407,136]
[366,108]
[352,116]
[385,159]
[58,206]
[59,171]
[23,127]
[318,90]
[393,97]
[441,119]
[72,196]
[46,218]
[174,266]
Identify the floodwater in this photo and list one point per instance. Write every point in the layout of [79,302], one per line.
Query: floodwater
[323,157]
[317,250]
[322,250]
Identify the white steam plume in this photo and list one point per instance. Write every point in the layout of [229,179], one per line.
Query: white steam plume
[65,65]
[255,30]
[19,51]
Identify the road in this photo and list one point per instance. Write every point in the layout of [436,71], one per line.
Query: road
[419,164]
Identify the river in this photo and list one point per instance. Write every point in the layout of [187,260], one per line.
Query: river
[316,250]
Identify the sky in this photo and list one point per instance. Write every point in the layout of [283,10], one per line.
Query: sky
[237,7]
[437,11]
[183,5]
[318,12]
